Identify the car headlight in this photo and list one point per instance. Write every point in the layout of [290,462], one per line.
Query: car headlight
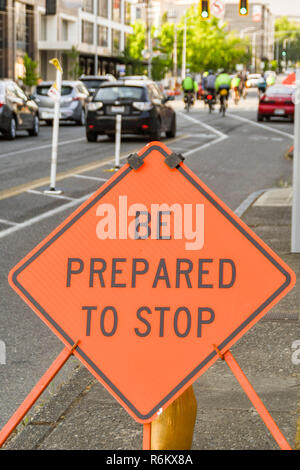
[95,106]
[142,105]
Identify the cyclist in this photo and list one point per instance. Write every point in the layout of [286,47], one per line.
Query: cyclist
[189,87]
[262,85]
[222,86]
[235,86]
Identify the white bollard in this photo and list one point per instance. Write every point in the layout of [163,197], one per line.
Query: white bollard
[55,130]
[118,141]
[295,248]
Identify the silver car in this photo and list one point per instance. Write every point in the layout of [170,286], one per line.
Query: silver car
[73,101]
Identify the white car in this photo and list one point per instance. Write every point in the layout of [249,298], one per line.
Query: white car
[253,80]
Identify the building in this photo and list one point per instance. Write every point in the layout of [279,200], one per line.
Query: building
[93,31]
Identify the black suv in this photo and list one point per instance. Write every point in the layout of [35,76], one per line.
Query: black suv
[141,104]
[93,82]
[17,111]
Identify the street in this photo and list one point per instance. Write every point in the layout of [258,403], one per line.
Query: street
[235,156]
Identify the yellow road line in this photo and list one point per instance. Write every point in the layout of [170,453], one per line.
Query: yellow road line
[6,193]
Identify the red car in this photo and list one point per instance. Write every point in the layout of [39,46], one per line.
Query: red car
[277,101]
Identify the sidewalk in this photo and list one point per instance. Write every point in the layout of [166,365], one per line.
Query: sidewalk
[83,415]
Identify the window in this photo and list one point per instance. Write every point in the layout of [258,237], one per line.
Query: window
[87,32]
[127,9]
[20,9]
[115,41]
[116,16]
[102,36]
[113,93]
[43,28]
[103,8]
[88,6]
[64,30]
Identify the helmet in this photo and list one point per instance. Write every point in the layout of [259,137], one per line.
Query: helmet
[210,72]
[205,74]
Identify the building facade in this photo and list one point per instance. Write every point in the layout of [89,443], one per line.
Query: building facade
[91,32]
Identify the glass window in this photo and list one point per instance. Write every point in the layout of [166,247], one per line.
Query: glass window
[43,28]
[113,93]
[43,90]
[127,9]
[102,36]
[88,6]
[115,41]
[64,30]
[103,8]
[87,32]
[20,9]
[116,16]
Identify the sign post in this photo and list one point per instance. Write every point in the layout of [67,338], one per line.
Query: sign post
[295,248]
[156,278]
[118,141]
[55,93]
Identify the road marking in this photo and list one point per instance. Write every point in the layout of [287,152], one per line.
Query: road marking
[8,222]
[88,177]
[208,127]
[43,216]
[200,123]
[262,126]
[41,147]
[6,193]
[58,196]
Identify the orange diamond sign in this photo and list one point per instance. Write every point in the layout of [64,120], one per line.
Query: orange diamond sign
[148,275]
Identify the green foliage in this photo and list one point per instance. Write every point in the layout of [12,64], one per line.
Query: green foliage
[74,68]
[31,77]
[287,33]
[208,45]
[136,41]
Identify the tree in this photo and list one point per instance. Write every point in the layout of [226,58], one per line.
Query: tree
[287,36]
[74,68]
[30,77]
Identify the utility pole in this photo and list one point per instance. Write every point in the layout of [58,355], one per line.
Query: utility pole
[295,248]
[148,32]
[183,70]
[175,56]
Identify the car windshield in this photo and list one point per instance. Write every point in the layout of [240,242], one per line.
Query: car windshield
[274,91]
[114,93]
[43,90]
[93,83]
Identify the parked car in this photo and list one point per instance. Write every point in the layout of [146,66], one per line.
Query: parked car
[141,104]
[253,79]
[73,101]
[278,101]
[93,82]
[17,111]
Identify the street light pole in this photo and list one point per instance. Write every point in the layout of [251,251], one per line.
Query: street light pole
[183,69]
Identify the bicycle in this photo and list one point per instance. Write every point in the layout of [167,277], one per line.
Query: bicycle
[223,101]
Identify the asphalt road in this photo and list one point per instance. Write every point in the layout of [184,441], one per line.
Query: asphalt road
[235,156]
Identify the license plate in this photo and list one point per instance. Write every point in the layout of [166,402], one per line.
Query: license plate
[117,109]
[279,112]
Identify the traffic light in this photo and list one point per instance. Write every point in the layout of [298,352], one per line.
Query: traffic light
[50,7]
[2,5]
[243,8]
[204,9]
[283,53]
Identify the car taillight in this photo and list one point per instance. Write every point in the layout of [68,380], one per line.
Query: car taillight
[142,105]
[1,104]
[75,98]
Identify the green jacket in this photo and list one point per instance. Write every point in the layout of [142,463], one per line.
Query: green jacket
[188,84]
[222,79]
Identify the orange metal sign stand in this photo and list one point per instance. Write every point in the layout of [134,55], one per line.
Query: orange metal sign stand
[35,393]
[66,353]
